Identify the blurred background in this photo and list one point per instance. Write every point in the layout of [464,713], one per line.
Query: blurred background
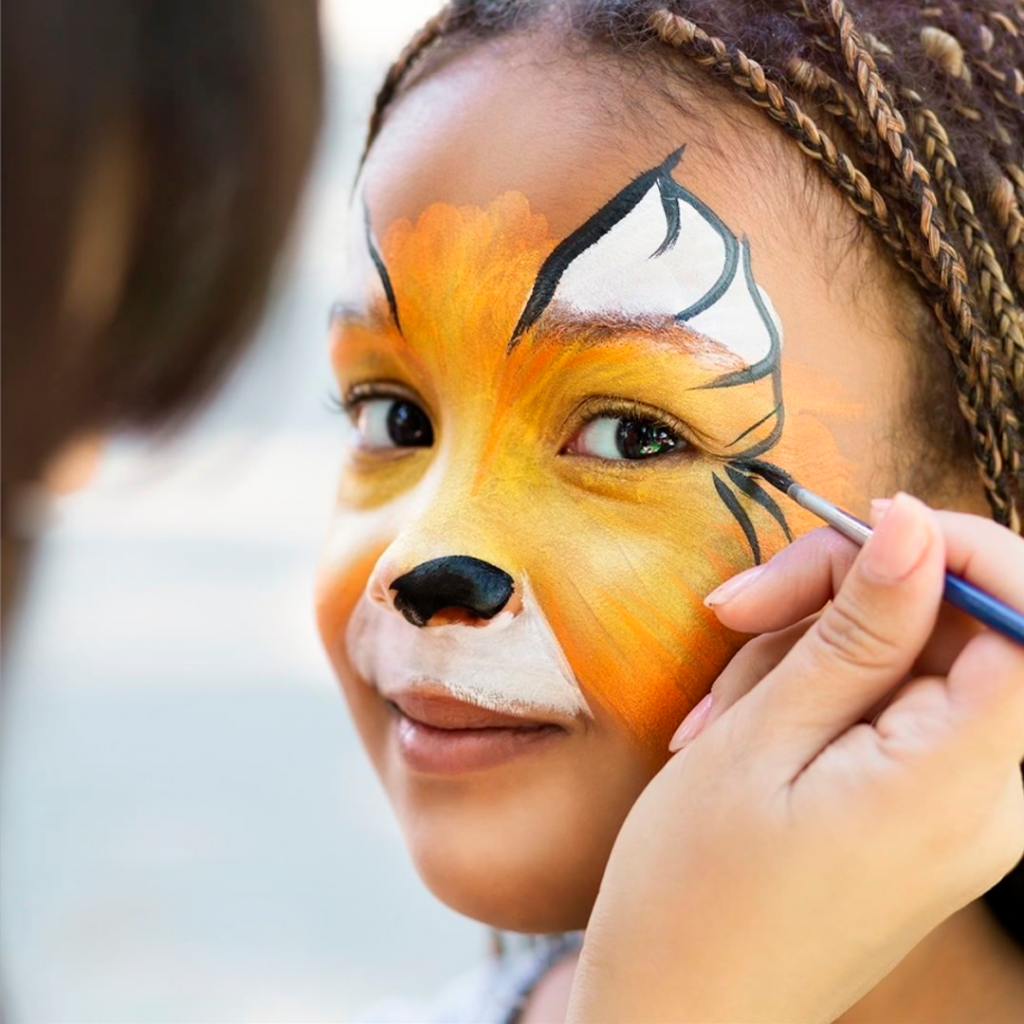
[188,828]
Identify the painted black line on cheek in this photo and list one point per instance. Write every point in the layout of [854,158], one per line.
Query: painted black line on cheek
[732,504]
[775,475]
[752,489]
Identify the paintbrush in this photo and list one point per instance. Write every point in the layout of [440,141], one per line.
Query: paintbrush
[977,603]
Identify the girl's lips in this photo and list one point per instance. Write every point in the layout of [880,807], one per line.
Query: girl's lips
[439,735]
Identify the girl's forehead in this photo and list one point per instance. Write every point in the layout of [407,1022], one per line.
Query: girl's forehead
[563,137]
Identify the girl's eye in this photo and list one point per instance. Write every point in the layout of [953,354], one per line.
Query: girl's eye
[391,423]
[622,437]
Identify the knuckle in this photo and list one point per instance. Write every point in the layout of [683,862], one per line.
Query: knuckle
[762,653]
[847,634]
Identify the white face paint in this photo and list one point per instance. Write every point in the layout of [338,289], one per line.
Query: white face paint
[669,255]
[513,664]
[735,320]
[623,273]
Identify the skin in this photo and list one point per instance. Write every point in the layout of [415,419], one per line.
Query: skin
[525,845]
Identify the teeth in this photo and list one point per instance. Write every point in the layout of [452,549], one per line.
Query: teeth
[514,664]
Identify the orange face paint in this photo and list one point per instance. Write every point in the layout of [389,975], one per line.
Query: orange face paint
[532,361]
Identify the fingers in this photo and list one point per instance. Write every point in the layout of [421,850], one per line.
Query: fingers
[754,661]
[797,582]
[861,646]
[748,667]
[985,553]
[800,579]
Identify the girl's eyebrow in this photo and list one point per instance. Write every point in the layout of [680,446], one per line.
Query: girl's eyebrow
[565,325]
[356,313]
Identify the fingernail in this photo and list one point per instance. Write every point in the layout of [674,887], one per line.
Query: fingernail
[898,543]
[730,588]
[691,725]
[879,506]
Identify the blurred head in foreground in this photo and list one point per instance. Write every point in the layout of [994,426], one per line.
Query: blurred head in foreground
[153,155]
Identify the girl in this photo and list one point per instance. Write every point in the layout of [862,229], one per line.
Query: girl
[591,287]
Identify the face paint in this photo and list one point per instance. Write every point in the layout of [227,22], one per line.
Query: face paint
[591,404]
[514,664]
[607,267]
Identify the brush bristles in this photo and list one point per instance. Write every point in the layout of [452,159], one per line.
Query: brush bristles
[771,473]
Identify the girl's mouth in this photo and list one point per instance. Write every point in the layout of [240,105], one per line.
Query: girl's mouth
[439,735]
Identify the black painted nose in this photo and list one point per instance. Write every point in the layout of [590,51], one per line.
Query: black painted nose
[455,581]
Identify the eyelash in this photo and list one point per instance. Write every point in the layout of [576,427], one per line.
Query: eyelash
[366,391]
[603,406]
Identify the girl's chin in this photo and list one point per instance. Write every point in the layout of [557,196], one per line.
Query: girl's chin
[523,843]
[513,894]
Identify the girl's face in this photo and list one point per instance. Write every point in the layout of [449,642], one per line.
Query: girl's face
[561,342]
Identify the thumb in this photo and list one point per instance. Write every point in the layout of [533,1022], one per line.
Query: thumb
[861,646]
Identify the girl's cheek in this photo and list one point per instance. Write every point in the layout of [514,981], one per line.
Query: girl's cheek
[624,596]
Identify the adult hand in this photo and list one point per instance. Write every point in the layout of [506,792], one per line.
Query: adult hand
[854,781]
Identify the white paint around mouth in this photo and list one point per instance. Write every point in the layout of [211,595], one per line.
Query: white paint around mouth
[514,664]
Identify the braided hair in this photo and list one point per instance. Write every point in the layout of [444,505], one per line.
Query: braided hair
[914,111]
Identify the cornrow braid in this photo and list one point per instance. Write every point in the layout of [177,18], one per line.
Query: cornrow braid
[980,372]
[1003,197]
[1005,178]
[1007,211]
[712,53]
[436,27]
[993,42]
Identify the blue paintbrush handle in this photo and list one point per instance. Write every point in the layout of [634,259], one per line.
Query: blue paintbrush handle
[984,607]
[966,596]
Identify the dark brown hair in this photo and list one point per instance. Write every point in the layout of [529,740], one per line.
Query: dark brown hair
[914,111]
[153,154]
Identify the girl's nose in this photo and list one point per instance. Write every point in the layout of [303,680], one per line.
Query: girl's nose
[452,588]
